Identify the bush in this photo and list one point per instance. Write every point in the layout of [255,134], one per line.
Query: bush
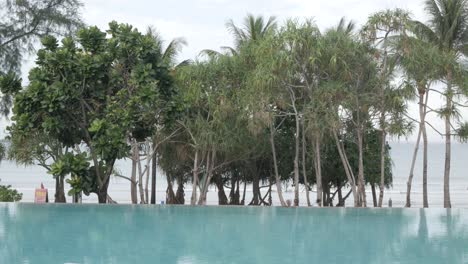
[9,195]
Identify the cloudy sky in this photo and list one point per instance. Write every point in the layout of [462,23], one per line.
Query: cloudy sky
[202,22]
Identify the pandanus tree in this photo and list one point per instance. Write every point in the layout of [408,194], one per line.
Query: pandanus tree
[288,70]
[447,28]
[253,33]
[380,31]
[421,62]
[337,77]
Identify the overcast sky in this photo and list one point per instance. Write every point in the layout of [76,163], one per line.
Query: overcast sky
[202,22]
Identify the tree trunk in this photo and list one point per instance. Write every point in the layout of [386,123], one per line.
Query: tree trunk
[348,171]
[422,114]
[340,196]
[195,179]
[222,198]
[255,189]
[411,174]
[318,171]
[147,167]
[243,194]
[140,180]
[59,190]
[234,195]
[209,165]
[270,200]
[296,162]
[153,176]
[275,166]
[170,195]
[383,147]
[180,191]
[102,192]
[133,185]
[304,172]
[374,195]
[362,183]
[448,144]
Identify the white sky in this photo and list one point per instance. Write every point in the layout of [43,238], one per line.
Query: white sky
[202,22]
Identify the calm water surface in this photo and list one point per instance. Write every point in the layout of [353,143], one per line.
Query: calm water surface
[182,234]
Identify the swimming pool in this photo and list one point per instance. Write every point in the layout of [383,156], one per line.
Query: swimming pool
[56,233]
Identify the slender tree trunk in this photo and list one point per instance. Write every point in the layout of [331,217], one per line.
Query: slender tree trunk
[59,190]
[448,144]
[422,116]
[296,162]
[304,172]
[411,174]
[362,183]
[270,200]
[318,171]
[383,148]
[148,161]
[374,195]
[243,193]
[153,176]
[209,175]
[348,171]
[275,166]
[140,181]
[195,179]
[133,185]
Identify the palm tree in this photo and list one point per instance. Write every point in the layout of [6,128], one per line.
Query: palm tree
[253,29]
[448,29]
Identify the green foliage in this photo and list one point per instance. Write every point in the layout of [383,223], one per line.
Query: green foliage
[9,195]
[10,83]
[97,92]
[24,22]
[2,151]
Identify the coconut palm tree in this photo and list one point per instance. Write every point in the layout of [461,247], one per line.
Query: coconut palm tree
[448,29]
[253,29]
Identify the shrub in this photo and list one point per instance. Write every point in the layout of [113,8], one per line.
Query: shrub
[9,195]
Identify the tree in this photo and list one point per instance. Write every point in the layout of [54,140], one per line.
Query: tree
[23,23]
[448,30]
[380,31]
[93,93]
[9,195]
[169,55]
[421,62]
[36,148]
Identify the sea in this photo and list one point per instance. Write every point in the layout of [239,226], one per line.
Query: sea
[27,178]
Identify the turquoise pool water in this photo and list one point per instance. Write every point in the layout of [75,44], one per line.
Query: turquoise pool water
[181,234]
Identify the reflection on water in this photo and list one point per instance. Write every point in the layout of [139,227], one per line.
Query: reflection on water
[163,234]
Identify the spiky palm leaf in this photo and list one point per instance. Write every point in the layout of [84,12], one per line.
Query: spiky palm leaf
[448,25]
